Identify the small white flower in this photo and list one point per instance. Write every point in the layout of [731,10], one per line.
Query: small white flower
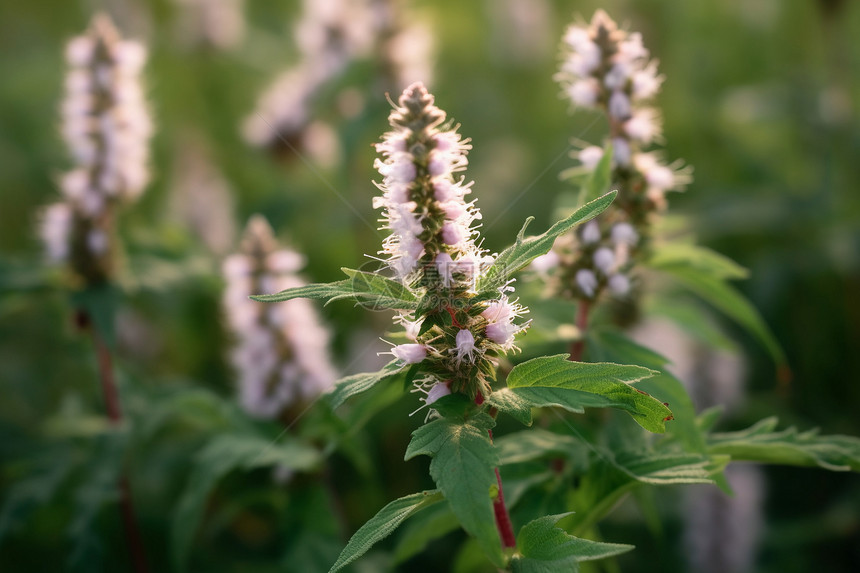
[644,125]
[590,156]
[624,233]
[660,177]
[465,345]
[437,391]
[453,234]
[619,105]
[445,268]
[586,281]
[410,353]
[591,232]
[545,263]
[604,259]
[585,92]
[619,284]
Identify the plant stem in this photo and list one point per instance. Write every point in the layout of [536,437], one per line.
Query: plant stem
[500,510]
[114,412]
[578,347]
[503,518]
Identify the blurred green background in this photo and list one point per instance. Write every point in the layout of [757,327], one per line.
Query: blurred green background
[761,97]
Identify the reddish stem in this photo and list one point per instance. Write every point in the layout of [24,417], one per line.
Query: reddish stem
[578,347]
[503,519]
[114,412]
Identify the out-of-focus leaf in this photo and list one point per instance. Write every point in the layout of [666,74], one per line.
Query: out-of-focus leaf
[695,258]
[526,249]
[429,525]
[358,383]
[223,454]
[369,290]
[463,467]
[730,302]
[610,477]
[534,444]
[383,524]
[546,548]
[574,386]
[762,443]
[97,488]
[49,472]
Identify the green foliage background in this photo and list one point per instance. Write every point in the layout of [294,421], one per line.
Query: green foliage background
[761,98]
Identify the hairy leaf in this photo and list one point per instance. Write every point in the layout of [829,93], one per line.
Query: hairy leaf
[370,290]
[383,524]
[223,454]
[526,249]
[545,547]
[358,383]
[574,386]
[463,467]
[762,443]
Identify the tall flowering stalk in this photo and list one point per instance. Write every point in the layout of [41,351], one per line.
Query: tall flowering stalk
[455,303]
[281,353]
[608,69]
[433,249]
[106,125]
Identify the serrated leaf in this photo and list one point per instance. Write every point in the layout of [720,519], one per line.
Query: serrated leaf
[223,454]
[605,344]
[599,178]
[432,524]
[610,477]
[675,255]
[369,290]
[541,540]
[358,383]
[534,444]
[730,302]
[763,443]
[463,467]
[383,524]
[526,249]
[574,386]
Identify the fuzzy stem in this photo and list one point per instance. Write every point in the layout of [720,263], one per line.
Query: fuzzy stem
[577,348]
[114,412]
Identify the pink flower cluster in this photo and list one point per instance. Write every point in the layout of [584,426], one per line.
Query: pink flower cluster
[281,352]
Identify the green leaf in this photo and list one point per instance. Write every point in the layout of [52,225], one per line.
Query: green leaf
[99,304]
[383,524]
[432,524]
[606,344]
[574,386]
[525,250]
[547,548]
[534,444]
[370,290]
[730,302]
[358,383]
[463,467]
[598,180]
[611,477]
[762,443]
[223,454]
[675,255]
